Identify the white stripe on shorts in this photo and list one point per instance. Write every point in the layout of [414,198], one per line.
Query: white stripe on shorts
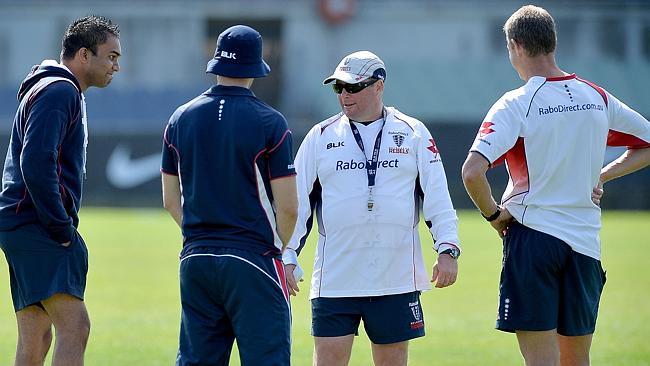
[247,261]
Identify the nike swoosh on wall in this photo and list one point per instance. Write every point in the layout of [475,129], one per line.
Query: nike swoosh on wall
[125,173]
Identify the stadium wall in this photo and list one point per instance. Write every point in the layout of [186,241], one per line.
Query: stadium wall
[447,63]
[124,170]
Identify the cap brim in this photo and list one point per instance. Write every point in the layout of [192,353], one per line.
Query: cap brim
[218,67]
[343,76]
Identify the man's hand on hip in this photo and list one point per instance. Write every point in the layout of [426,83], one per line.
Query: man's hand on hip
[501,223]
[597,193]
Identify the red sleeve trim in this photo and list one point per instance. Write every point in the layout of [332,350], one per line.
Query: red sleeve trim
[616,138]
[287,132]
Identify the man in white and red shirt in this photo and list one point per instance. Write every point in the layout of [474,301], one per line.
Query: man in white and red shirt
[552,133]
[366,172]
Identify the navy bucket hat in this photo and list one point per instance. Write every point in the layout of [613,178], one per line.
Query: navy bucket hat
[239,54]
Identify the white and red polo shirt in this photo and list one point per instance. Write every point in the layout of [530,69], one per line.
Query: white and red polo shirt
[552,134]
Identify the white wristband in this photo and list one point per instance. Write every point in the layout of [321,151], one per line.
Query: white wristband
[289,256]
[298,273]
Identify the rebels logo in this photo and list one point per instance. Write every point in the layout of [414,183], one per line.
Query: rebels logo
[398,150]
[417,315]
[398,139]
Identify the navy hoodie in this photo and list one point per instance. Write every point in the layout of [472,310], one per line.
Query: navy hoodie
[44,168]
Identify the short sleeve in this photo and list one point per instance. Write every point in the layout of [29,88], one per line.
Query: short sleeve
[627,126]
[501,128]
[280,149]
[170,156]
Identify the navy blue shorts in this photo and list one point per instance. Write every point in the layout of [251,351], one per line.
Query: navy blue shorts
[386,319]
[546,285]
[229,294]
[39,267]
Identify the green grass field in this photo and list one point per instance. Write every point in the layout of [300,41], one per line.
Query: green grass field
[132,297]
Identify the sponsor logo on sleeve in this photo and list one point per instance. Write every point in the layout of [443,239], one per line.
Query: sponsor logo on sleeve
[486,129]
[434,150]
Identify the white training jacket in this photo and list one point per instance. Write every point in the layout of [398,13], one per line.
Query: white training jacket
[378,252]
[552,134]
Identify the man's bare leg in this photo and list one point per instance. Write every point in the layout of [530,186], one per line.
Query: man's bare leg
[34,336]
[72,326]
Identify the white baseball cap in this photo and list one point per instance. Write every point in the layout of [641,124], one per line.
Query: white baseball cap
[358,66]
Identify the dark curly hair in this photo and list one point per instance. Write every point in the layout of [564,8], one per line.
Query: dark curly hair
[87,32]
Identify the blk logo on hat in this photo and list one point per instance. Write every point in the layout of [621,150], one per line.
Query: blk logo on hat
[239,54]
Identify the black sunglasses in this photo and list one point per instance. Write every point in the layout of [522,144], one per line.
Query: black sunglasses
[353,88]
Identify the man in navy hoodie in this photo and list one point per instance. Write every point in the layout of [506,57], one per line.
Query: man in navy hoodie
[41,194]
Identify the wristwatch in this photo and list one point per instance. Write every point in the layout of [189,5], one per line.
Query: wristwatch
[494,216]
[453,252]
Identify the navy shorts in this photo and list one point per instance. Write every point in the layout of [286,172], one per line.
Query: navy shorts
[39,267]
[546,285]
[386,319]
[229,294]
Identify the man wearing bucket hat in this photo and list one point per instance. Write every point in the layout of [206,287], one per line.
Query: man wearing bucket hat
[229,183]
[366,171]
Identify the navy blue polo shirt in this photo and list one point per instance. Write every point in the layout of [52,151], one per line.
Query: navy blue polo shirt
[226,146]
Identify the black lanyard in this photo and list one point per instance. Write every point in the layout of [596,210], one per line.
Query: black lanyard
[371,166]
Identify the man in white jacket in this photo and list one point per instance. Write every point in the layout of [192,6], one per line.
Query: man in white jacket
[366,172]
